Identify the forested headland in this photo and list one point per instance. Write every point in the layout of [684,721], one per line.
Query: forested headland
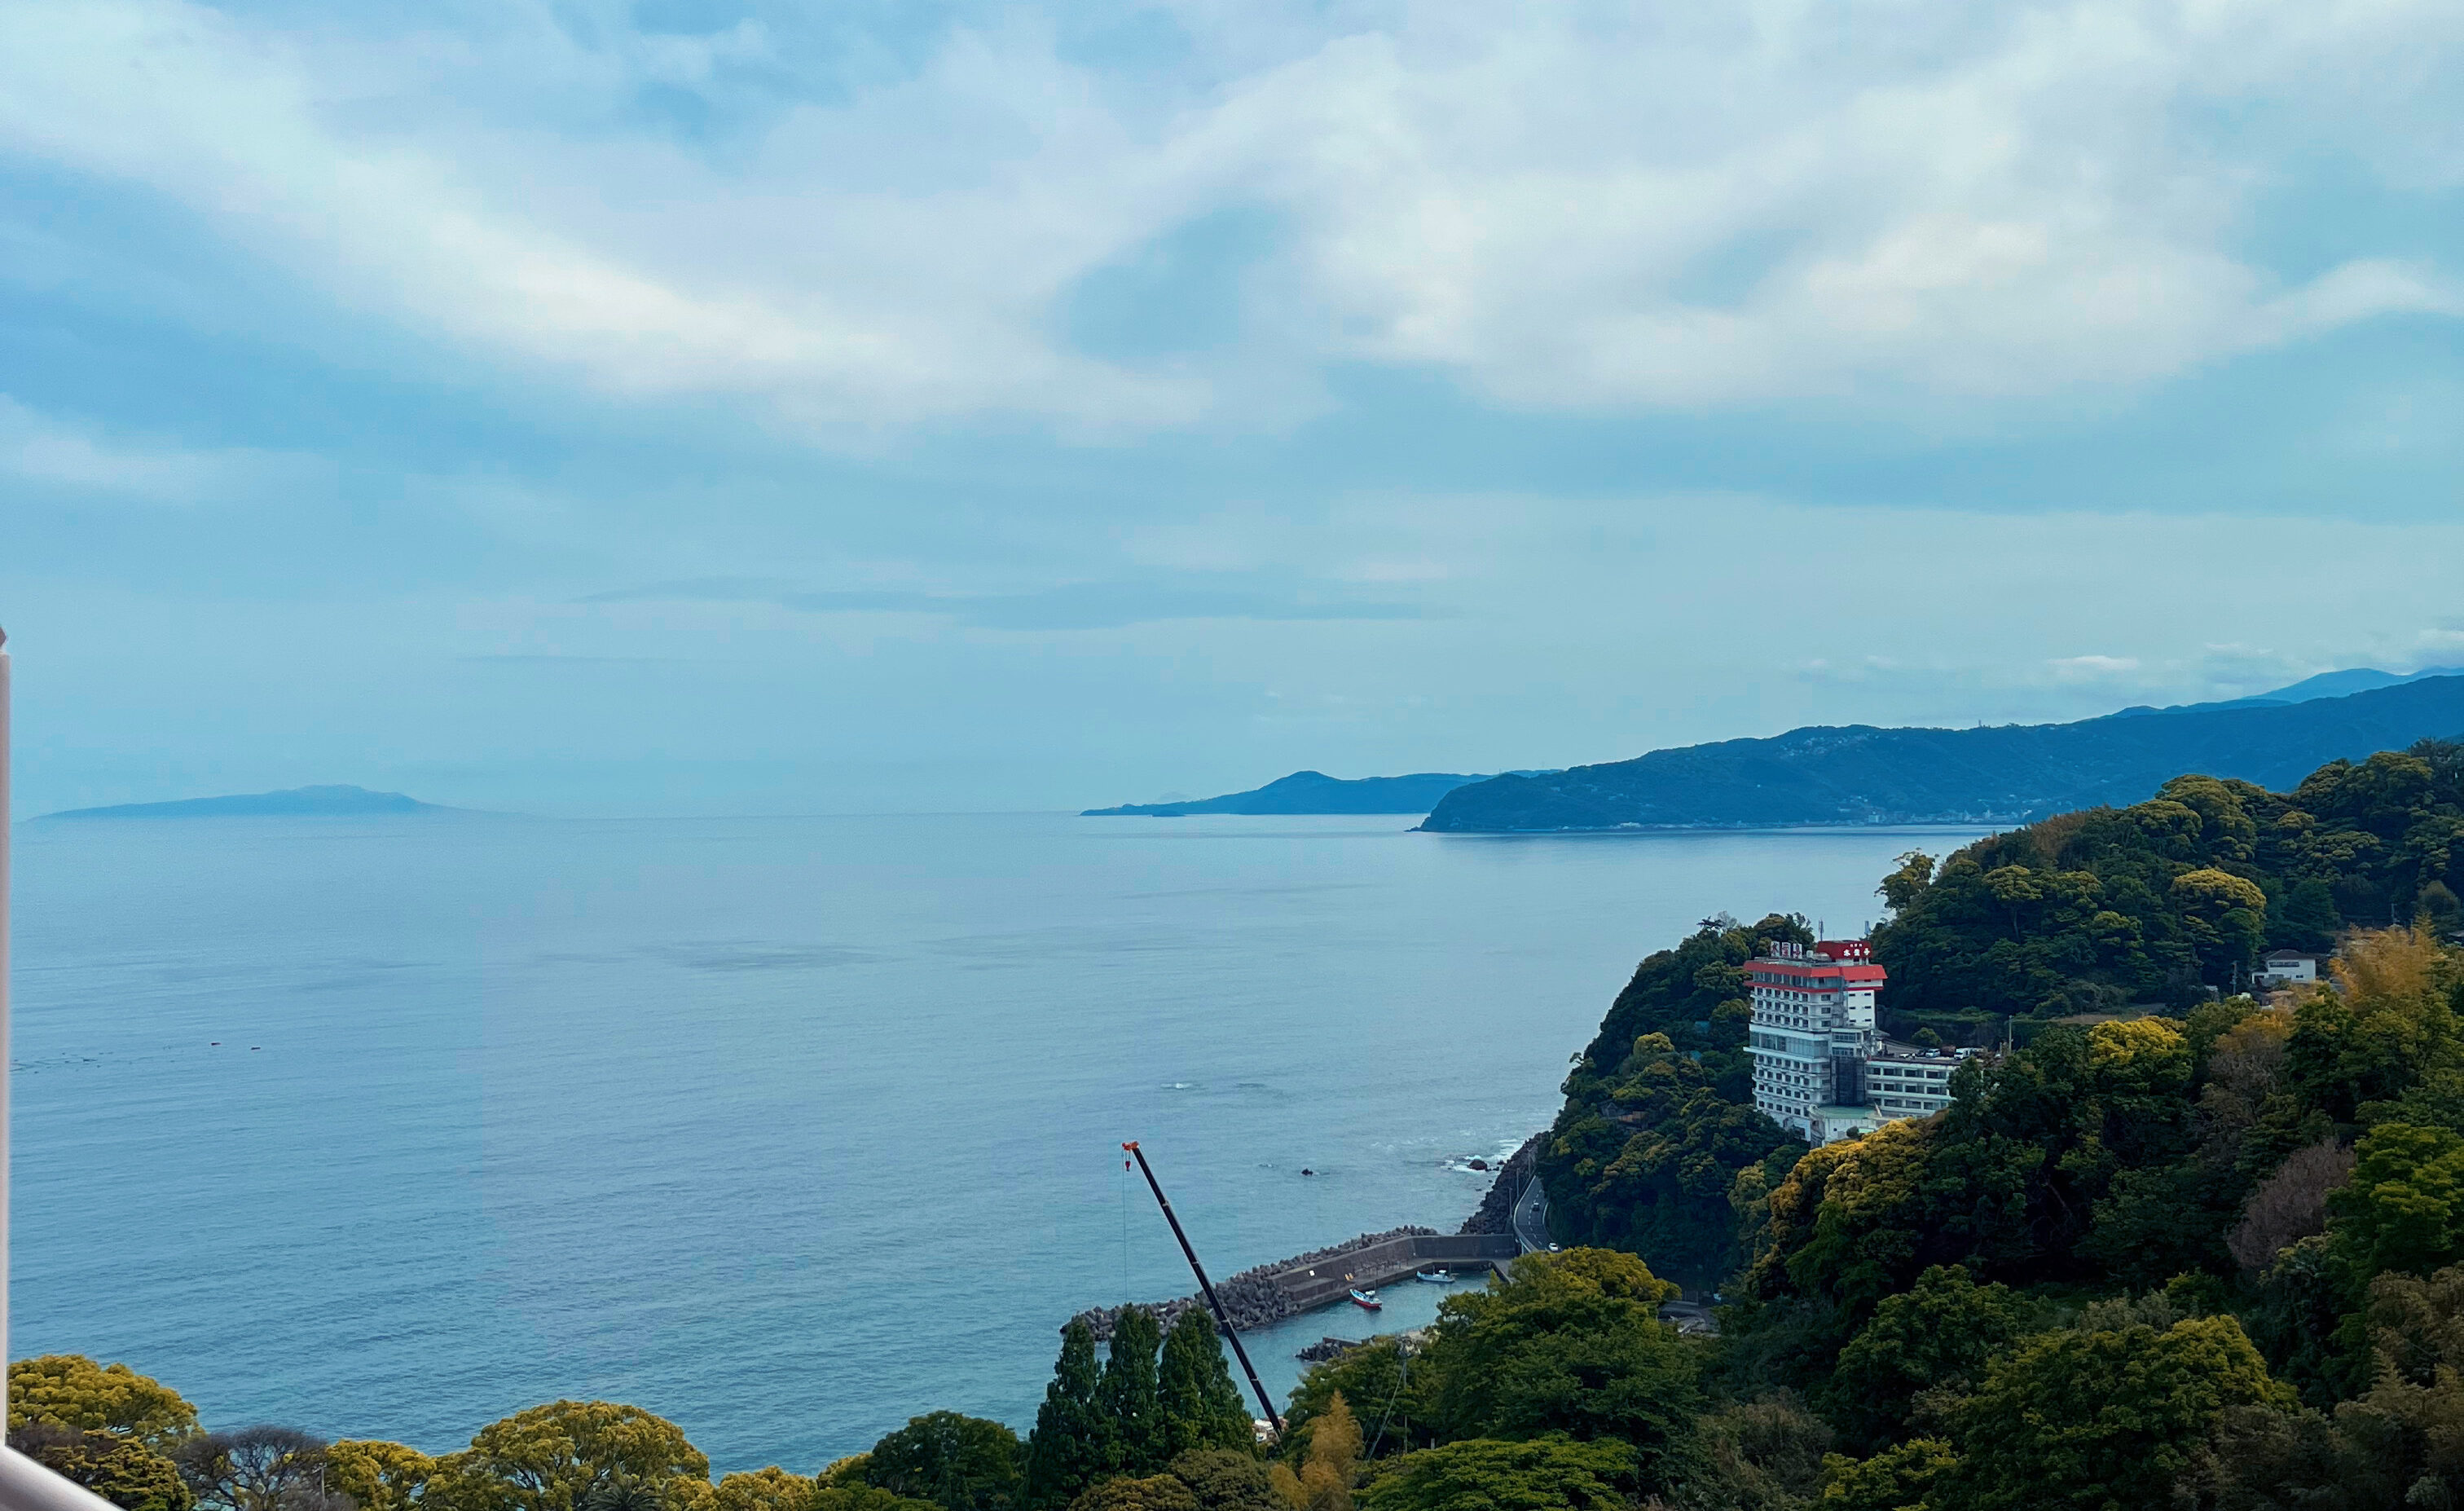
[2176,1246]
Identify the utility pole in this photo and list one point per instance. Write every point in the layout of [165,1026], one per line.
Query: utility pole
[1214,1304]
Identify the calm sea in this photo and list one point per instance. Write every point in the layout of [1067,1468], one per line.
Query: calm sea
[786,1129]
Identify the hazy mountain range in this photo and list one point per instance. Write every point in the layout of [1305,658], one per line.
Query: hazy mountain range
[1858,773]
[2013,774]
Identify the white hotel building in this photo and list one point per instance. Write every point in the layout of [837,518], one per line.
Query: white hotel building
[1820,1067]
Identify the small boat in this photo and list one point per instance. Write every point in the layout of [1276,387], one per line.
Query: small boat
[1367,1300]
[1436,1277]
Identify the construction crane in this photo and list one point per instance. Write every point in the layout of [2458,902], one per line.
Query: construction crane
[1213,1303]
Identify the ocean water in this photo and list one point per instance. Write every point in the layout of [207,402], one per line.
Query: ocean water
[786,1129]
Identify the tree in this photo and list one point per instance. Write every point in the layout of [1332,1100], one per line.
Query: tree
[1939,1333]
[1127,1395]
[770,1489]
[1765,1454]
[2308,918]
[1193,1390]
[549,1458]
[863,1498]
[2440,909]
[624,1491]
[2390,1022]
[1376,1371]
[2104,1421]
[2404,1208]
[1897,1478]
[2401,1439]
[2290,1205]
[122,1471]
[1226,1479]
[377,1476]
[1903,889]
[73,1391]
[960,1463]
[256,1469]
[1568,1344]
[1071,1444]
[1484,1474]
[1324,1480]
[2225,915]
[1146,1493]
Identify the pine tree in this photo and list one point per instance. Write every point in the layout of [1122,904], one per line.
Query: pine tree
[1128,1394]
[1071,1444]
[1201,1407]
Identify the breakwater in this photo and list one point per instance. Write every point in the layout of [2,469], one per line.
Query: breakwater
[1269,1293]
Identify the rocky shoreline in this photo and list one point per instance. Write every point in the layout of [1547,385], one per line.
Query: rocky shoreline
[1495,1212]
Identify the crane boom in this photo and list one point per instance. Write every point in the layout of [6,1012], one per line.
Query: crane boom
[1208,1286]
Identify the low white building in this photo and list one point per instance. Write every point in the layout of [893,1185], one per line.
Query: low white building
[1904,1081]
[2287,968]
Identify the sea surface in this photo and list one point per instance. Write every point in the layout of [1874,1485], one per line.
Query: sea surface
[786,1129]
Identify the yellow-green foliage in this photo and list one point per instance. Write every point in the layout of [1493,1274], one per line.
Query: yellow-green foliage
[377,1475]
[771,1489]
[1324,1483]
[544,1458]
[1600,1271]
[2139,1045]
[122,1471]
[2105,1419]
[73,1391]
[1140,1492]
[1899,1479]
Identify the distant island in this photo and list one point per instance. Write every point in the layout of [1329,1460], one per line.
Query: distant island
[2016,773]
[1310,792]
[298,802]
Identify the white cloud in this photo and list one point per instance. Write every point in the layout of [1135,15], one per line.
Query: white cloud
[1680,208]
[2091,668]
[46,450]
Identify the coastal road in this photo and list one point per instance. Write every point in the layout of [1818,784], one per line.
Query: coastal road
[1531,1217]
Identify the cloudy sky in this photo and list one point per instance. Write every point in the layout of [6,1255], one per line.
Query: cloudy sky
[736,407]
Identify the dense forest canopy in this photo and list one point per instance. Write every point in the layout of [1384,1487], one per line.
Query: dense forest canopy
[2153,903]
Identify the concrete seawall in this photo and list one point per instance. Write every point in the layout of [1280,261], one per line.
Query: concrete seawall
[1272,1292]
[1312,1285]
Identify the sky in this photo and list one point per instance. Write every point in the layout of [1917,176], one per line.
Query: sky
[719,407]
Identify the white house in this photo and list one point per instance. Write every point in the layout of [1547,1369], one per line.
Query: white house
[2287,968]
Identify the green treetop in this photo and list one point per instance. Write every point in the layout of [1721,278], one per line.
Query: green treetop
[1484,1474]
[960,1463]
[2106,1420]
[1937,1334]
[1201,1407]
[1127,1395]
[1070,1445]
